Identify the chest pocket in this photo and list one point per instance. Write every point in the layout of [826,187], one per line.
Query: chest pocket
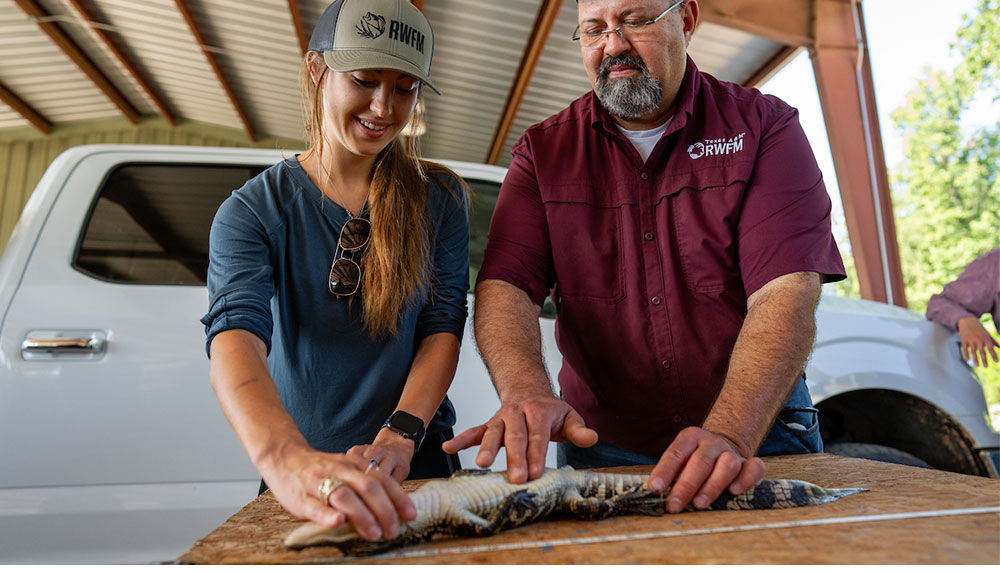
[585,229]
[703,209]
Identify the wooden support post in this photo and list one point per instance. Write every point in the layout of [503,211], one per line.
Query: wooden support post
[300,33]
[783,21]
[547,15]
[846,92]
[833,31]
[182,7]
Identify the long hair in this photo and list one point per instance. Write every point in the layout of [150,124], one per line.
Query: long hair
[396,262]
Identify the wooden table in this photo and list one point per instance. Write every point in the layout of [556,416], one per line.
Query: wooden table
[909,516]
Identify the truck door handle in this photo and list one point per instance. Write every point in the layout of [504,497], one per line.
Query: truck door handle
[50,345]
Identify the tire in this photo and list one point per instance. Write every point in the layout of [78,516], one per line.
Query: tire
[875,453]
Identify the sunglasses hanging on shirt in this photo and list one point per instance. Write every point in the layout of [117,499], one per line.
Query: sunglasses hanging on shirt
[345,274]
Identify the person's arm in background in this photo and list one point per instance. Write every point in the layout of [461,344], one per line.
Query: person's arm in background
[961,303]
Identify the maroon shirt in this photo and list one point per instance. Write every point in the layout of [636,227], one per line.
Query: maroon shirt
[650,265]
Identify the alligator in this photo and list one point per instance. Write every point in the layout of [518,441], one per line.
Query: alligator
[482,503]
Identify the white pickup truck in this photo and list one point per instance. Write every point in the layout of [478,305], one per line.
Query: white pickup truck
[113,447]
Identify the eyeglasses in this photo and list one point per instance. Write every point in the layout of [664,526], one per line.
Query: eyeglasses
[345,274]
[628,30]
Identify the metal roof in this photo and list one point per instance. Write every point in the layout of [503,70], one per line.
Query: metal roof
[235,63]
[501,64]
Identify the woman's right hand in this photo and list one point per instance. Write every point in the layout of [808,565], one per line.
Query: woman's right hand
[373,503]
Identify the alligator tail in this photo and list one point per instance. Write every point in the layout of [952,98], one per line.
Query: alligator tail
[780,493]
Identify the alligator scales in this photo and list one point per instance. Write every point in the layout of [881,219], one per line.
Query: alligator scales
[481,503]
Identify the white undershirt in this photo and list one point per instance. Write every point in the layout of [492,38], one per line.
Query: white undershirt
[645,140]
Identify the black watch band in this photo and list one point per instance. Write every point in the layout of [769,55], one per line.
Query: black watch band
[407,425]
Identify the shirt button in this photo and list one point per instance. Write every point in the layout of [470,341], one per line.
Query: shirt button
[678,419]
[667,365]
[656,301]
[648,236]
[644,176]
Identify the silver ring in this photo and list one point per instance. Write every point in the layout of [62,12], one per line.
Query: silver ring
[327,486]
[372,465]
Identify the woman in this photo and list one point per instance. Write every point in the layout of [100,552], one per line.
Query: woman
[364,250]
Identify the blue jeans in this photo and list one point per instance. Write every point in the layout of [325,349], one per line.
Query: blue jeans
[795,432]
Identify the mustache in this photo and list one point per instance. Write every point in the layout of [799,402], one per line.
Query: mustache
[620,60]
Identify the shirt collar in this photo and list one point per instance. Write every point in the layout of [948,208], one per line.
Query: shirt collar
[601,120]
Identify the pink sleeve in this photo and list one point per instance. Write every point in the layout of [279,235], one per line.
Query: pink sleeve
[972,294]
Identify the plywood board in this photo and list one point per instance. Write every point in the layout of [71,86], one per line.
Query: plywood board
[909,516]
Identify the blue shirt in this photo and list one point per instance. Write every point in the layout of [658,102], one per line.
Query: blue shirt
[271,248]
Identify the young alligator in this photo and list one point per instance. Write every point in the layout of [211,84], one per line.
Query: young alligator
[481,503]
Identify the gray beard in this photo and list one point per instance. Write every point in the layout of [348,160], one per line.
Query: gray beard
[628,98]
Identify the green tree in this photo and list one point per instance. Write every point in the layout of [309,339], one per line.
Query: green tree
[946,191]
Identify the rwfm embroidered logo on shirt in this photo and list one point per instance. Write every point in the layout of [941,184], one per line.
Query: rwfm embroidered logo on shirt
[710,147]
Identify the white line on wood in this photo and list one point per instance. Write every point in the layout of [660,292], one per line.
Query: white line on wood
[663,534]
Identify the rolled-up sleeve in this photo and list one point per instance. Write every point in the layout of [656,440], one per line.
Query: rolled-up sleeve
[519,249]
[240,275]
[784,224]
[974,293]
[447,305]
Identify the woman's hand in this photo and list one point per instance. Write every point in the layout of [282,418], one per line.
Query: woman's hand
[373,503]
[391,452]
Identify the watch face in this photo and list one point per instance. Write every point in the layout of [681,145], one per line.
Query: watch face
[405,422]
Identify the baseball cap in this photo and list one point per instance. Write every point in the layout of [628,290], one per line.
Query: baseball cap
[375,34]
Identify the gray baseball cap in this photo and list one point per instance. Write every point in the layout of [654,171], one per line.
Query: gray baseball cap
[375,34]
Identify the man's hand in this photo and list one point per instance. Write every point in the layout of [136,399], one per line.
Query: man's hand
[704,464]
[510,341]
[769,354]
[525,428]
[976,342]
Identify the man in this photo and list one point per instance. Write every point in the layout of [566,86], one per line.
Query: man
[682,228]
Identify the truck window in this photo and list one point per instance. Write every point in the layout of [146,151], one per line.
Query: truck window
[484,200]
[150,222]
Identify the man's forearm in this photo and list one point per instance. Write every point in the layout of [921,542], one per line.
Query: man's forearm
[768,357]
[510,340]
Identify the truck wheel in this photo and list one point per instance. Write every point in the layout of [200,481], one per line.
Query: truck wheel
[875,453]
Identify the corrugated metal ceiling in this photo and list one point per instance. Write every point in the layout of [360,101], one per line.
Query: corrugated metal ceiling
[477,57]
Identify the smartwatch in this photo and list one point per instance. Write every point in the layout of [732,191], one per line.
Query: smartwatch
[407,425]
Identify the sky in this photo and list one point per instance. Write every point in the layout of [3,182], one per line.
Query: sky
[903,44]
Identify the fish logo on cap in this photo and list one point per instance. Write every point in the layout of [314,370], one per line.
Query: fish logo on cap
[371,26]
